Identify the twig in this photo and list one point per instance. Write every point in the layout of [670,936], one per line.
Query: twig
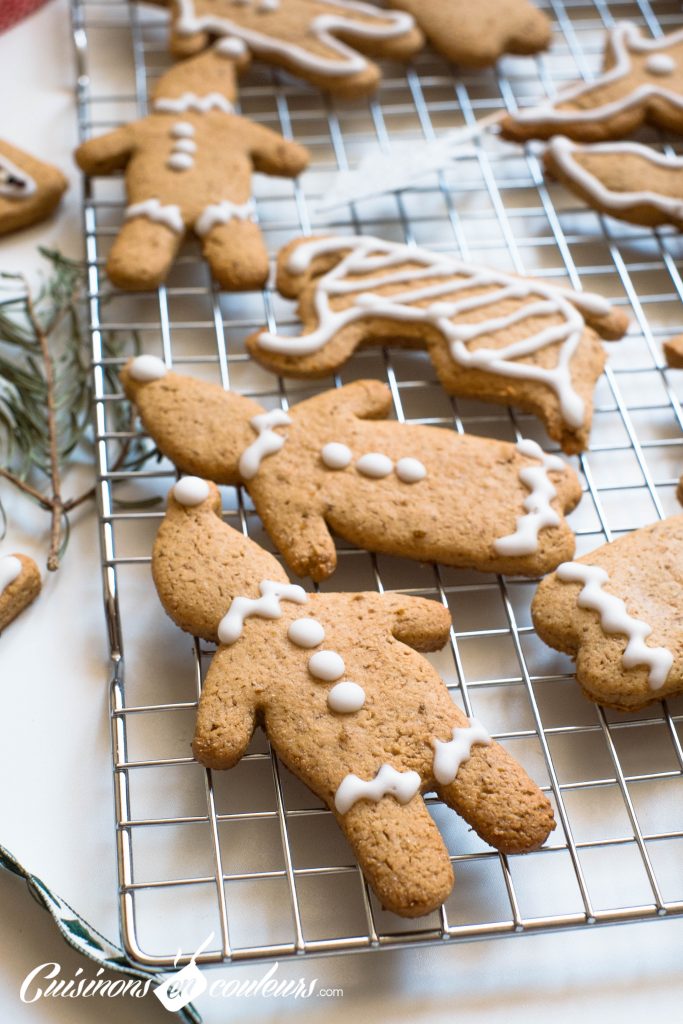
[26,488]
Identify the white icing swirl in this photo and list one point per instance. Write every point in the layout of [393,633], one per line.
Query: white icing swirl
[614,618]
[265,607]
[539,512]
[388,782]
[449,755]
[267,443]
[10,570]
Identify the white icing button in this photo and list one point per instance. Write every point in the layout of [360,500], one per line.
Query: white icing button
[10,570]
[326,665]
[375,465]
[410,471]
[185,146]
[306,632]
[179,162]
[336,456]
[345,698]
[231,47]
[660,64]
[148,368]
[191,490]
[182,130]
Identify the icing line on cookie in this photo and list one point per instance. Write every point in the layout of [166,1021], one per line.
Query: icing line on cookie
[14,183]
[191,101]
[347,61]
[622,37]
[10,570]
[566,154]
[449,755]
[222,213]
[614,618]
[153,210]
[539,512]
[267,443]
[368,263]
[267,606]
[147,368]
[388,782]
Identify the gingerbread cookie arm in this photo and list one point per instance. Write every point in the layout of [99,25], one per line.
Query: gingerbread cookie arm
[107,153]
[422,624]
[226,717]
[272,154]
[477,32]
[19,585]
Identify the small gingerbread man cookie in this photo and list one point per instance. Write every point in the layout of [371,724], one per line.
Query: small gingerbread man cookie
[490,335]
[19,585]
[478,32]
[188,167]
[618,612]
[346,701]
[326,42]
[642,82]
[29,188]
[334,463]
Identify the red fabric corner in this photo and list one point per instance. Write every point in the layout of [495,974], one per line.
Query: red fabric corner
[12,11]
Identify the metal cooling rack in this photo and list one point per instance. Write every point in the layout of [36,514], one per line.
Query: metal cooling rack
[250,854]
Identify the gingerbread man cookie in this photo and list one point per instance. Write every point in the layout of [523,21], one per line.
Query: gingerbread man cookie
[478,32]
[326,42]
[642,82]
[333,463]
[29,188]
[618,612]
[188,167]
[347,703]
[624,179]
[490,335]
[19,585]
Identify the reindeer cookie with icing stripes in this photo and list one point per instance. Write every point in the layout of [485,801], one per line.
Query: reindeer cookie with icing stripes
[618,612]
[642,82]
[188,167]
[490,335]
[346,701]
[325,42]
[334,463]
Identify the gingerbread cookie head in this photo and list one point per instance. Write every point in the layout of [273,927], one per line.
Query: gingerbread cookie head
[490,335]
[335,463]
[617,611]
[326,42]
[346,700]
[29,188]
[642,82]
[188,168]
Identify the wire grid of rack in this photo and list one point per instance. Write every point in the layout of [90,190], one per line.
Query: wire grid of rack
[250,854]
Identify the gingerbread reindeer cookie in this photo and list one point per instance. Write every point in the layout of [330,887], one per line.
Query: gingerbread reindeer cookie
[19,585]
[642,82]
[334,463]
[624,179]
[490,335]
[29,188]
[478,32]
[618,612]
[188,167]
[326,42]
[345,700]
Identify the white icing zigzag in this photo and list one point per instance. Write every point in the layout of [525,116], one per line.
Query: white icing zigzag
[265,607]
[388,781]
[368,266]
[615,619]
[539,512]
[451,754]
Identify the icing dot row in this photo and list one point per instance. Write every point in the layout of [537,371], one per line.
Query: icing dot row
[327,666]
[373,464]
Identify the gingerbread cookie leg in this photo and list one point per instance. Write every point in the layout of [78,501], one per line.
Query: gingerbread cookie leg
[236,254]
[142,254]
[224,726]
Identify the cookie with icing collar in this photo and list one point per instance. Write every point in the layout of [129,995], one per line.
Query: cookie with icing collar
[477,32]
[329,43]
[642,82]
[490,335]
[19,585]
[346,700]
[334,463]
[623,179]
[188,168]
[617,611]
[30,189]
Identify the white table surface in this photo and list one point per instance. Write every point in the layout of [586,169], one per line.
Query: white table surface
[55,796]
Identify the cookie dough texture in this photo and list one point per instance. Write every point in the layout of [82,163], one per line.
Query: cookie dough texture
[673,351]
[645,571]
[535,396]
[329,44]
[208,193]
[200,565]
[477,32]
[623,179]
[471,496]
[642,82]
[30,195]
[19,594]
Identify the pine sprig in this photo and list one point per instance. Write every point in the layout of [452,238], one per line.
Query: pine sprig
[46,391]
